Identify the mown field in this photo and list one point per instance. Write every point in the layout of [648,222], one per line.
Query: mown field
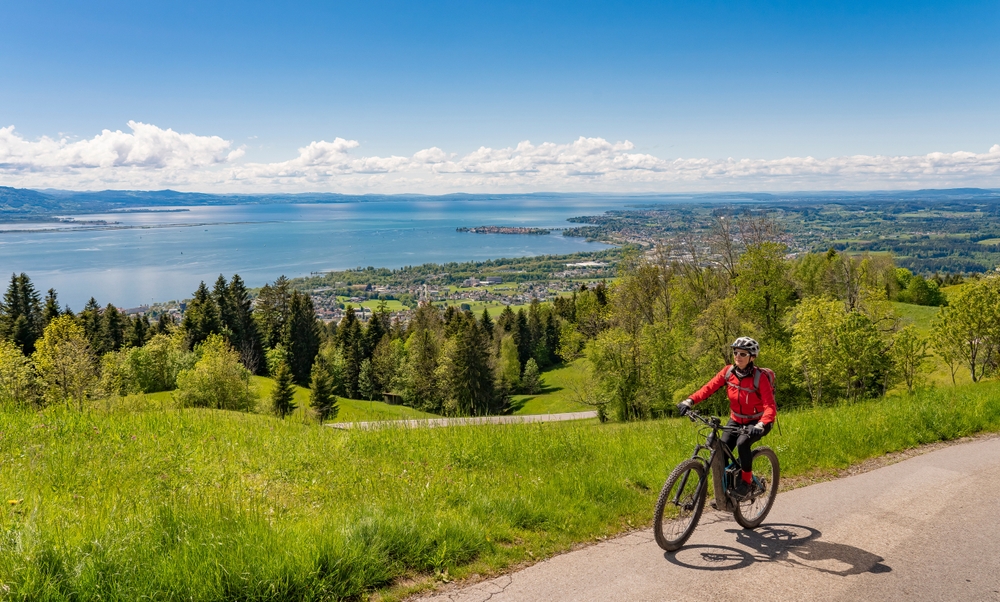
[210,505]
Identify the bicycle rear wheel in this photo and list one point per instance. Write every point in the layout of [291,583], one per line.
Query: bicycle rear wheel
[750,513]
[680,505]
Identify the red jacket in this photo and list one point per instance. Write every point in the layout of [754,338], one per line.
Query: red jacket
[745,405]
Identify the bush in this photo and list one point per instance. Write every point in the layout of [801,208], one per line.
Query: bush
[218,380]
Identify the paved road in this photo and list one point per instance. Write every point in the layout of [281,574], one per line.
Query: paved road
[432,422]
[927,528]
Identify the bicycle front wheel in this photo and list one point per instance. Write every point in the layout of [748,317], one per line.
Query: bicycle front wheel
[750,513]
[680,505]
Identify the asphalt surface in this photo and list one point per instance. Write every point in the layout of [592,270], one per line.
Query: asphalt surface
[926,528]
[434,422]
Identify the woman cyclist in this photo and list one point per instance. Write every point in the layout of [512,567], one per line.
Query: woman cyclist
[751,401]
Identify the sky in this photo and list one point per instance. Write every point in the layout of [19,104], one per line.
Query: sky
[434,97]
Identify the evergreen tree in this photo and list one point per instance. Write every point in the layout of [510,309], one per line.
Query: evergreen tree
[283,392]
[51,310]
[21,313]
[366,380]
[522,336]
[201,318]
[271,311]
[244,335]
[165,324]
[451,325]
[531,380]
[139,331]
[420,370]
[321,396]
[377,328]
[113,326]
[301,337]
[350,335]
[552,330]
[220,295]
[467,375]
[486,322]
[90,319]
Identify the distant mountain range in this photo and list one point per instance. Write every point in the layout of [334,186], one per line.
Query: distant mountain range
[20,204]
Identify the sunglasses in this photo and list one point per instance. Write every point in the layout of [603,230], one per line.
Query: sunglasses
[741,354]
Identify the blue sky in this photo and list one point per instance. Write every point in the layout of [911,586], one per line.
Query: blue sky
[707,81]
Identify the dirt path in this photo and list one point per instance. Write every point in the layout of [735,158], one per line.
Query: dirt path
[925,528]
[433,422]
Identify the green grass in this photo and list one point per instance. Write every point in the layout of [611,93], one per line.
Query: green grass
[560,392]
[207,505]
[373,304]
[920,316]
[990,241]
[351,410]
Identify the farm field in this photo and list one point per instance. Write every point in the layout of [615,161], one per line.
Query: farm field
[214,505]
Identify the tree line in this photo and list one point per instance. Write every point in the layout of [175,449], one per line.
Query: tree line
[824,320]
[443,360]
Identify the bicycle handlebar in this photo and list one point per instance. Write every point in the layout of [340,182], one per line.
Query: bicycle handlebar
[715,423]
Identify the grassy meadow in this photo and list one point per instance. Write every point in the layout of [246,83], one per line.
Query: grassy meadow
[169,504]
[560,391]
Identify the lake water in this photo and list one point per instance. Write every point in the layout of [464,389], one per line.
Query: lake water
[163,255]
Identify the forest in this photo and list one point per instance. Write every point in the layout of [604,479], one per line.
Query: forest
[825,322]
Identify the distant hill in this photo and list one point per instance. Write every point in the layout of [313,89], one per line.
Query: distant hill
[19,204]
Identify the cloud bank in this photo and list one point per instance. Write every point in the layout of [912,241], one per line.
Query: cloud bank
[149,157]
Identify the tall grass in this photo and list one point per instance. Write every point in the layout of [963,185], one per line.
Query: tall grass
[209,505]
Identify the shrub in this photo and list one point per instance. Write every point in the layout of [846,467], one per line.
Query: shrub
[218,380]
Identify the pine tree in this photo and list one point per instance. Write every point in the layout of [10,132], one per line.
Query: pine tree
[321,397]
[90,319]
[472,382]
[552,337]
[377,328]
[165,324]
[349,335]
[220,295]
[112,333]
[51,310]
[283,392]
[245,337]
[522,336]
[271,311]
[21,313]
[301,337]
[138,331]
[201,318]
[366,380]
[530,381]
[486,322]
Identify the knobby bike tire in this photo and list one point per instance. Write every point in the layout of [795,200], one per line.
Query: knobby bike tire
[691,504]
[751,513]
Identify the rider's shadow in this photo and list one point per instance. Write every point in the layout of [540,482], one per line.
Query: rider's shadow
[792,544]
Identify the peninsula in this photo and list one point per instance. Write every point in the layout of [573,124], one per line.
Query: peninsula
[504,230]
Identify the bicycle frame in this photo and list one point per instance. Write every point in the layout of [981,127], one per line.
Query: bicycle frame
[715,461]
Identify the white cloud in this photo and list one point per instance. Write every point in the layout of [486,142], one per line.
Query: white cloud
[152,157]
[147,146]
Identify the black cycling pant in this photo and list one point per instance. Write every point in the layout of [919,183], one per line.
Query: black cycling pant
[742,443]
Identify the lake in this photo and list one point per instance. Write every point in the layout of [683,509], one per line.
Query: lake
[163,255]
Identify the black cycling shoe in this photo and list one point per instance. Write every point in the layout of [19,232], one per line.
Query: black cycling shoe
[742,490]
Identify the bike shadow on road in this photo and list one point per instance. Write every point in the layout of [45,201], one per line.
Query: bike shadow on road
[795,545]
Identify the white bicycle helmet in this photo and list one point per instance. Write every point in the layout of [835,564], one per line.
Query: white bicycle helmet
[747,344]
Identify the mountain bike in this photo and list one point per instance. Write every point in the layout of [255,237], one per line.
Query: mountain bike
[682,500]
